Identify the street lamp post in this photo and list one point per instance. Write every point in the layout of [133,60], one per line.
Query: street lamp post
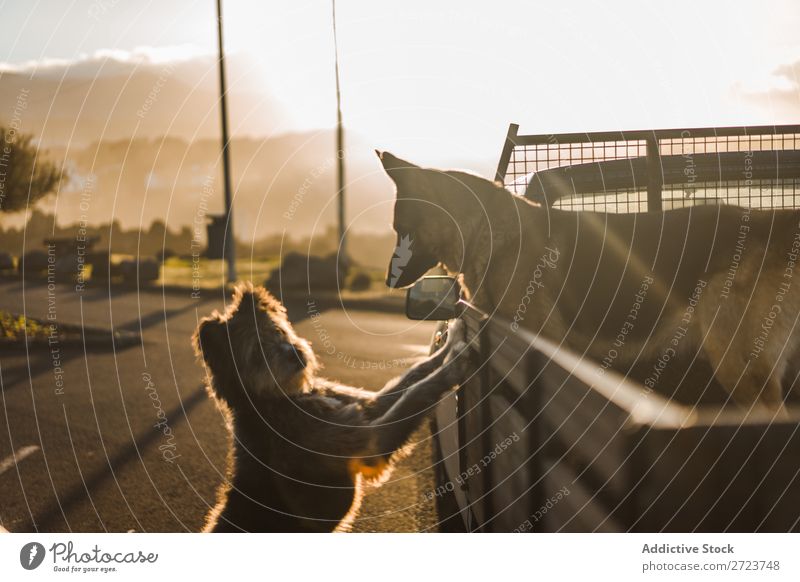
[230,250]
[339,148]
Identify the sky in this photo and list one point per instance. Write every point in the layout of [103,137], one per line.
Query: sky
[431,77]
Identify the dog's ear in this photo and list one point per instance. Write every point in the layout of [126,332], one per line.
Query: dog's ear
[392,162]
[211,342]
[249,298]
[247,301]
[210,339]
[395,167]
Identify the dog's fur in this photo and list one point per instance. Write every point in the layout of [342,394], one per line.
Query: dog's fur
[302,445]
[721,288]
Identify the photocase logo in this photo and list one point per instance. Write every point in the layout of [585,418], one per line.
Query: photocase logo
[31,555]
[402,255]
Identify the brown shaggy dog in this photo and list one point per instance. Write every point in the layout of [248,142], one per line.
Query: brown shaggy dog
[301,444]
[711,282]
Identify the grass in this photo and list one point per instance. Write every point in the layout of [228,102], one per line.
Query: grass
[18,330]
[15,328]
[210,273]
[206,273]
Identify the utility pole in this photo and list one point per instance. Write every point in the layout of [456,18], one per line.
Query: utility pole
[230,250]
[339,147]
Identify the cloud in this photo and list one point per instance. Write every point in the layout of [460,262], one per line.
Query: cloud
[139,56]
[780,95]
[145,92]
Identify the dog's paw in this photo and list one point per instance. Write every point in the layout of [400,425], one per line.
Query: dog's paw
[456,332]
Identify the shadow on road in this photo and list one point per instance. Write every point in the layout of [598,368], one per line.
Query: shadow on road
[56,512]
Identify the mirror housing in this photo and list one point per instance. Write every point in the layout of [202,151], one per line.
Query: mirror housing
[433,298]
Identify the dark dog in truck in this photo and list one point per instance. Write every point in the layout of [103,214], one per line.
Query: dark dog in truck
[303,445]
[713,282]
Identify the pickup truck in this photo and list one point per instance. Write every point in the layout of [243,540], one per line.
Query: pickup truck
[541,439]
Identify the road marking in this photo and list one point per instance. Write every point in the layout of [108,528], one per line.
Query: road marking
[12,460]
[15,458]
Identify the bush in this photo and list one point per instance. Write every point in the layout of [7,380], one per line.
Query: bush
[308,273]
[33,263]
[148,270]
[165,254]
[6,262]
[360,281]
[28,176]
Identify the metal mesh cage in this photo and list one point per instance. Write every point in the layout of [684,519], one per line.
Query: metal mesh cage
[656,169]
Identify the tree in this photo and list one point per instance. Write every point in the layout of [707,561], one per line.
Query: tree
[25,177]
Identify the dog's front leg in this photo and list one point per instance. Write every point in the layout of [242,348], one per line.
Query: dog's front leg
[395,388]
[395,426]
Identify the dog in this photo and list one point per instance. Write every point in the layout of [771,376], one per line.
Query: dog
[303,446]
[708,282]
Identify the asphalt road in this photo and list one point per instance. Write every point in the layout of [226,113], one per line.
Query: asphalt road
[118,438]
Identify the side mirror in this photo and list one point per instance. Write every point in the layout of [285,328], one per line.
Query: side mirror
[433,298]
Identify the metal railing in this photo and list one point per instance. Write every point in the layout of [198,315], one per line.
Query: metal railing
[634,171]
[629,458]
